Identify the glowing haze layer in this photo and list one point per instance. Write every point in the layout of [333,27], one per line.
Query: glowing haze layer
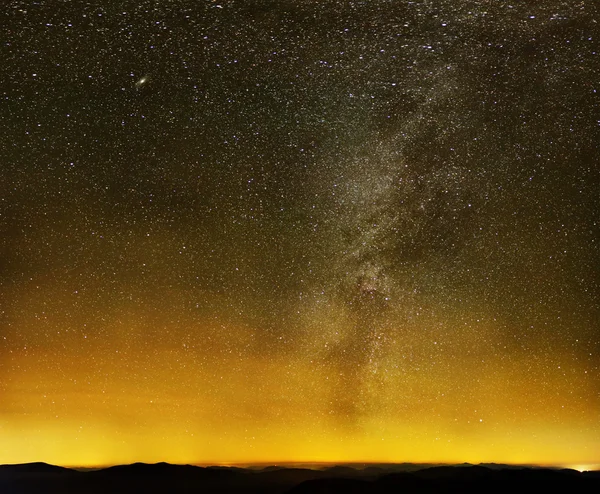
[300,231]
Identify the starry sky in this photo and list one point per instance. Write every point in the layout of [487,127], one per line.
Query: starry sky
[270,231]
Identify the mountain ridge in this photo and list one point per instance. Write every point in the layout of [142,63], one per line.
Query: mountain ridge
[149,478]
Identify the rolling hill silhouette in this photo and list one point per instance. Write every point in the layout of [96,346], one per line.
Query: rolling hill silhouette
[37,478]
[33,469]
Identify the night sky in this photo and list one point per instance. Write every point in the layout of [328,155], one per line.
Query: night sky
[269,231]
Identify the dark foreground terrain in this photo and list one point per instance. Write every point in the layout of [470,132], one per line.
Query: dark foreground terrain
[165,478]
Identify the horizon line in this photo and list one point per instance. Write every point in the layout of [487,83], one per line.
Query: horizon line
[581,467]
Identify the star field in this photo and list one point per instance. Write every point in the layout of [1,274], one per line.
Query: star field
[271,231]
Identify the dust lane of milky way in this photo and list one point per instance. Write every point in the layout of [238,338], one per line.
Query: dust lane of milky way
[300,231]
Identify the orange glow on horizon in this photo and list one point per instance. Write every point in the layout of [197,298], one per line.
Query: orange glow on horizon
[167,406]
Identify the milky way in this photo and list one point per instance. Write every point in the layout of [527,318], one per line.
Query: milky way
[300,231]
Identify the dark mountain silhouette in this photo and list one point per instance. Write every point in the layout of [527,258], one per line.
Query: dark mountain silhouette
[271,468]
[503,466]
[33,468]
[407,481]
[454,472]
[375,471]
[341,472]
[326,486]
[37,478]
[399,467]
[474,479]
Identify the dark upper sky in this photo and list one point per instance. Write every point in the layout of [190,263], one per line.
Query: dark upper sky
[296,222]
